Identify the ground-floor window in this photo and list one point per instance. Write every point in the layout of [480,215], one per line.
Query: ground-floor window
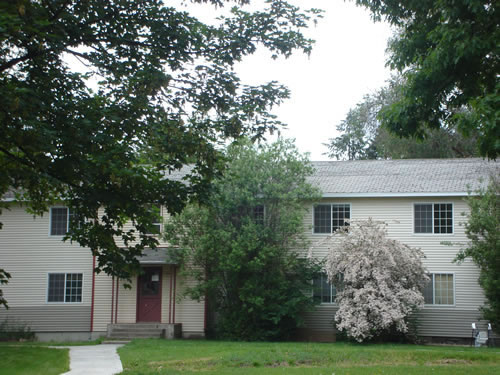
[65,287]
[440,290]
[324,291]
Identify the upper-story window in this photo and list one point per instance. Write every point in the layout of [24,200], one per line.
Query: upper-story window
[330,217]
[155,228]
[259,214]
[60,218]
[433,218]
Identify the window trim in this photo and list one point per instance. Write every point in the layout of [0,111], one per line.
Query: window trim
[432,210]
[67,221]
[254,216]
[159,223]
[65,275]
[439,305]
[334,303]
[331,213]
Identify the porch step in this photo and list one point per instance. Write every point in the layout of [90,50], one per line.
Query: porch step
[143,330]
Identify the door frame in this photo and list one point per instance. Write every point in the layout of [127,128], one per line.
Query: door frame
[160,268]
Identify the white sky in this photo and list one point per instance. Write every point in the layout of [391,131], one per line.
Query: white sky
[347,62]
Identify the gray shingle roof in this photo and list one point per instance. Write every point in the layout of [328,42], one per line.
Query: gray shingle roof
[390,177]
[402,177]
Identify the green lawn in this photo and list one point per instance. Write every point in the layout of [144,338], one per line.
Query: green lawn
[212,357]
[33,360]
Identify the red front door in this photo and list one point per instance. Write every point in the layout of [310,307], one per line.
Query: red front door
[149,295]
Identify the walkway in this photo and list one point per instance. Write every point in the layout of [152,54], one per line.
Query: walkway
[94,359]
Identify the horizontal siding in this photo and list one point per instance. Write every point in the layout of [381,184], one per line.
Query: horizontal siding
[165,298]
[67,318]
[102,302]
[29,254]
[127,302]
[321,318]
[129,226]
[447,322]
[397,214]
[187,311]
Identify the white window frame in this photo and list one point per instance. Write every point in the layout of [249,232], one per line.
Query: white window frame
[67,221]
[323,274]
[433,233]
[159,224]
[331,216]
[438,305]
[65,276]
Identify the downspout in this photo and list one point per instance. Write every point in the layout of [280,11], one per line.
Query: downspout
[92,300]
[112,298]
[116,302]
[175,282]
[170,298]
[205,316]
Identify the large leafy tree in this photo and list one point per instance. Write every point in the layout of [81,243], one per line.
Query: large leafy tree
[241,247]
[448,53]
[163,94]
[364,137]
[483,230]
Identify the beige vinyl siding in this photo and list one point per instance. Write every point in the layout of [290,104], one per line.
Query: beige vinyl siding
[29,253]
[102,302]
[128,226]
[127,302]
[189,312]
[49,318]
[397,213]
[165,298]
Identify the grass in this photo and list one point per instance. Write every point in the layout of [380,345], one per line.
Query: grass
[30,360]
[212,357]
[50,343]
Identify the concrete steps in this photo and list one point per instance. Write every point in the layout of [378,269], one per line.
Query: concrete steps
[144,330]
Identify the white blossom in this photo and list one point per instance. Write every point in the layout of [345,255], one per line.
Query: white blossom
[382,280]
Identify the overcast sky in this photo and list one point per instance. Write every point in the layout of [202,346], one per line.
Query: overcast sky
[347,62]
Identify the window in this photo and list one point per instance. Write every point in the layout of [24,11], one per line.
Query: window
[259,213]
[433,218]
[156,226]
[440,290]
[323,291]
[60,218]
[65,287]
[330,217]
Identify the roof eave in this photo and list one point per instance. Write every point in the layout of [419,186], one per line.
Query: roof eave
[397,195]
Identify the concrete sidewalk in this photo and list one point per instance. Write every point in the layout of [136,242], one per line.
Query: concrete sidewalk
[94,359]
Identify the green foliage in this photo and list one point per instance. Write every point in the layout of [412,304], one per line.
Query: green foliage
[365,138]
[448,53]
[13,330]
[165,95]
[4,279]
[244,262]
[483,231]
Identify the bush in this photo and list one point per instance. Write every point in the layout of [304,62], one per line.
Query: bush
[15,330]
[381,284]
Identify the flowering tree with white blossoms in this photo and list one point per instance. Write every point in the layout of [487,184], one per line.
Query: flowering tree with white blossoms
[382,281]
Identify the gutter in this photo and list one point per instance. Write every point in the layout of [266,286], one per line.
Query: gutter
[93,294]
[396,195]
